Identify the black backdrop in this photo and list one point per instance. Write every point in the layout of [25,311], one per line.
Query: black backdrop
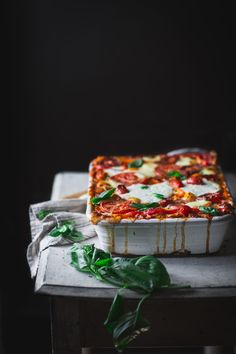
[93,77]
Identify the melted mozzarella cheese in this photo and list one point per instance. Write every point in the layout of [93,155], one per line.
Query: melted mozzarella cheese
[201,189]
[156,158]
[148,169]
[147,195]
[207,171]
[113,183]
[118,169]
[114,170]
[184,161]
[197,203]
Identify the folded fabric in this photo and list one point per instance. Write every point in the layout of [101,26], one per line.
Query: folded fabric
[46,216]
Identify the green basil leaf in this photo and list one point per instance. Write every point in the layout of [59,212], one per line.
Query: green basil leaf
[143,274]
[176,174]
[144,187]
[153,266]
[160,196]
[75,236]
[116,309]
[103,196]
[104,262]
[67,230]
[136,163]
[42,213]
[209,210]
[128,326]
[143,207]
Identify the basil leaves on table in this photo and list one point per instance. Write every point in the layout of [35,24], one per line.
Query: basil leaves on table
[136,163]
[209,210]
[143,207]
[67,230]
[103,196]
[145,275]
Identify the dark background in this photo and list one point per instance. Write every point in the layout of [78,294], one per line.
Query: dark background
[92,77]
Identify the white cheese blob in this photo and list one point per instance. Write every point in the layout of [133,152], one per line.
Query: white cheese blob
[207,171]
[148,159]
[148,169]
[201,189]
[114,170]
[184,161]
[147,195]
[197,203]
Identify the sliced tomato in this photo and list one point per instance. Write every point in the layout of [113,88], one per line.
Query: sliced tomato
[185,210]
[108,161]
[195,179]
[175,182]
[116,206]
[214,197]
[160,211]
[122,189]
[127,178]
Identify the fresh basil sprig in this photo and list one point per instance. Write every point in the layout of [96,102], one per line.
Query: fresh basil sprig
[160,196]
[125,326]
[103,196]
[145,275]
[176,174]
[67,230]
[209,210]
[143,207]
[136,163]
[42,213]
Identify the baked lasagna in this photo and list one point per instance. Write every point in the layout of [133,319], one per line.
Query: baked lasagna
[186,185]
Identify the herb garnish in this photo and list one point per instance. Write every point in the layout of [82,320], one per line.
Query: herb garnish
[209,210]
[103,196]
[144,187]
[176,174]
[42,213]
[143,207]
[145,275]
[160,196]
[136,163]
[67,230]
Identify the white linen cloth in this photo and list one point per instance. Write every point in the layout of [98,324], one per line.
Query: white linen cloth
[65,209]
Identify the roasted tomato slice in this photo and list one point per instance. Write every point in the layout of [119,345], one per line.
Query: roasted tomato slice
[122,189]
[127,178]
[116,206]
[107,162]
[175,182]
[195,179]
[214,197]
[161,211]
[185,210]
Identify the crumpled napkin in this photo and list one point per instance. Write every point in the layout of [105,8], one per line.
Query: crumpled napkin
[61,210]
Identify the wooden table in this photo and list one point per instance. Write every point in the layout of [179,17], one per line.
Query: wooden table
[204,315]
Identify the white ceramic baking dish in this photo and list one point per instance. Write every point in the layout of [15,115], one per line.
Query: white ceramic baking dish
[162,237]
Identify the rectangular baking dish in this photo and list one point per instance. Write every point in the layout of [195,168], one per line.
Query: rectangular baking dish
[162,237]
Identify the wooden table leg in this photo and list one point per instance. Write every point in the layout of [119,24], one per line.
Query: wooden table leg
[64,327]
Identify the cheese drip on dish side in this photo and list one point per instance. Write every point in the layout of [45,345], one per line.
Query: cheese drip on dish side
[147,195]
